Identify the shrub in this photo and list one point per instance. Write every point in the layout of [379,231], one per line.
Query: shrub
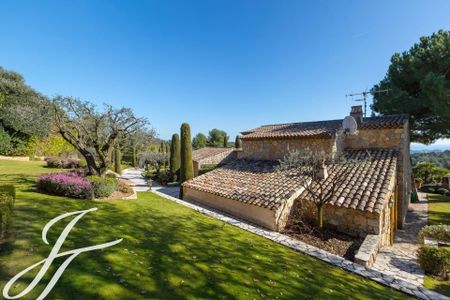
[68,184]
[7,198]
[82,164]
[103,186]
[434,260]
[53,162]
[70,163]
[442,191]
[430,188]
[67,163]
[124,187]
[439,233]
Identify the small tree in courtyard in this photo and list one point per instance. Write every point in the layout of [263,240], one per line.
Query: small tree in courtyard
[315,166]
[186,166]
[175,157]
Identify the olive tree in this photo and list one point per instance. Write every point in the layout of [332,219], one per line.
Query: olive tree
[94,132]
[323,173]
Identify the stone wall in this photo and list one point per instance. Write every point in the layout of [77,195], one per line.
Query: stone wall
[16,158]
[274,149]
[351,221]
[252,213]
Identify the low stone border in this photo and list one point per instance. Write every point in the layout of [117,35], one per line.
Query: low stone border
[368,251]
[384,279]
[16,158]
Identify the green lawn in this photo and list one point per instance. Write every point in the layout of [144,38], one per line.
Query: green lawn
[438,213]
[168,252]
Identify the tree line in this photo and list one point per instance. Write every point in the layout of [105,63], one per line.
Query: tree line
[31,123]
[215,138]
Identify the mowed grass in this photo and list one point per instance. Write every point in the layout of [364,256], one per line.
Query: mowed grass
[438,213]
[168,252]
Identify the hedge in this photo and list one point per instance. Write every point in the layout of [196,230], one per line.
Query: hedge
[434,260]
[439,233]
[103,186]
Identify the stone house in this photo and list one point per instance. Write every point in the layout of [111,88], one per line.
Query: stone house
[372,201]
[211,156]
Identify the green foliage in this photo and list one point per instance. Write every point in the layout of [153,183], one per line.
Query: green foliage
[225,141]
[22,106]
[439,233]
[17,145]
[123,187]
[7,198]
[434,260]
[152,160]
[419,84]
[117,159]
[175,157]
[186,166]
[238,142]
[216,138]
[441,159]
[103,186]
[199,141]
[54,145]
[429,172]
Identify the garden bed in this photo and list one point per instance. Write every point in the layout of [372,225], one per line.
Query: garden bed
[327,239]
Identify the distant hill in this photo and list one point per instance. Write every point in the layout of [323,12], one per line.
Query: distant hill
[441,158]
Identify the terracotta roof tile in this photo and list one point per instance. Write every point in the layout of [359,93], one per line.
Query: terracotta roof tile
[205,152]
[252,182]
[367,185]
[259,183]
[320,128]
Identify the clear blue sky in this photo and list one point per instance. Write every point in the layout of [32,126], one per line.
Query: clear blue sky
[228,64]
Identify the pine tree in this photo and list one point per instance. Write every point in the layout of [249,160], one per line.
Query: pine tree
[175,157]
[238,142]
[186,166]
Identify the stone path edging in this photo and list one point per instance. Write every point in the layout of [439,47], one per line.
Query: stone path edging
[377,276]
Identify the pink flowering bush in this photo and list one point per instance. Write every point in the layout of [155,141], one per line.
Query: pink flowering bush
[69,184]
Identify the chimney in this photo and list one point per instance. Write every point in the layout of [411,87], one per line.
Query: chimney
[323,172]
[357,113]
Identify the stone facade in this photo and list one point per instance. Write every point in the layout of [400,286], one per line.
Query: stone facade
[275,149]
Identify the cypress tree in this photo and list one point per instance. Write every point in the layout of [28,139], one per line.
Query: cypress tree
[186,166]
[117,167]
[238,142]
[175,157]
[225,141]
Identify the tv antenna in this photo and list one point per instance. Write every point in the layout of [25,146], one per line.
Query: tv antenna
[364,95]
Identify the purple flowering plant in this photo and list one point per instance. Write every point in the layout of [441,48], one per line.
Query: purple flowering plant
[69,184]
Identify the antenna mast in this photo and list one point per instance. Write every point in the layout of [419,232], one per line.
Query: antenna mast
[364,95]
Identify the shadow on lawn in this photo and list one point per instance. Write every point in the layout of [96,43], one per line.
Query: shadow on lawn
[168,252]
